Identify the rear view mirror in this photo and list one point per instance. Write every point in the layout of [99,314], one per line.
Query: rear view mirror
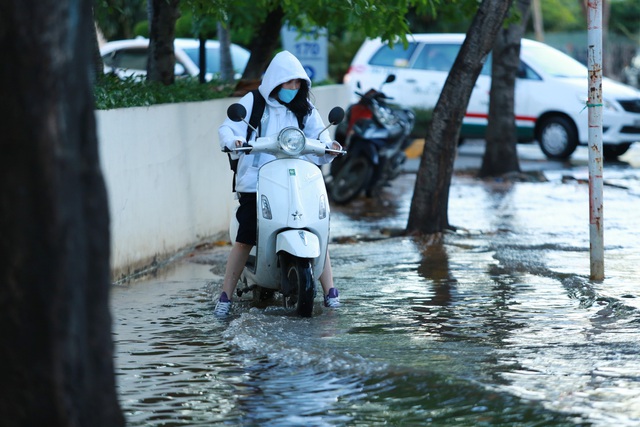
[236,112]
[336,115]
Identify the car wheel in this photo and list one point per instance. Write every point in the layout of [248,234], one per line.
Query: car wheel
[557,137]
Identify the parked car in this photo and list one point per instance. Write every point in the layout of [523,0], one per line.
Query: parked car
[129,57]
[550,92]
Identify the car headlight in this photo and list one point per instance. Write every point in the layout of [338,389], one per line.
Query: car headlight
[291,141]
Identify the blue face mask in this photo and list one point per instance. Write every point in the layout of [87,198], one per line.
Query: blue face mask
[287,95]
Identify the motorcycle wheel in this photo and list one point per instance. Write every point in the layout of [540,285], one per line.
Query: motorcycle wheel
[299,274]
[350,179]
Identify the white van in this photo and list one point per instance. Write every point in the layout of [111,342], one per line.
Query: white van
[550,93]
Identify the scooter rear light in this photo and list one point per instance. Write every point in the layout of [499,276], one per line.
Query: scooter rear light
[265,207]
[322,213]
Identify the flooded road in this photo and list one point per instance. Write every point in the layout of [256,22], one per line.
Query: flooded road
[497,324]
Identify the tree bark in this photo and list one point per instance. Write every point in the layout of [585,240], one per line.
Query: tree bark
[429,206]
[163,15]
[265,41]
[55,324]
[501,154]
[226,60]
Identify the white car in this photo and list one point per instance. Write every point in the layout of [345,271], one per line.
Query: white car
[129,57]
[550,93]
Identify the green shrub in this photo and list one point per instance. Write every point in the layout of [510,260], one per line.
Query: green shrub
[112,92]
[423,118]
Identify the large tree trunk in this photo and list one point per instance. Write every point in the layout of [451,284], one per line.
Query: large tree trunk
[163,15]
[501,154]
[55,324]
[265,41]
[429,206]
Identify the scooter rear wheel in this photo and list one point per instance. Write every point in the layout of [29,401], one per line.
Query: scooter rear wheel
[350,179]
[299,274]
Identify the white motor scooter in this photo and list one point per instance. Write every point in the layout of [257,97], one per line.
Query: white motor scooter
[293,217]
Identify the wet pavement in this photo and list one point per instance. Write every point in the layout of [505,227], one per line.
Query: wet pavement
[495,324]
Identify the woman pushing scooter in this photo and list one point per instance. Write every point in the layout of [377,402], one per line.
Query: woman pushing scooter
[285,89]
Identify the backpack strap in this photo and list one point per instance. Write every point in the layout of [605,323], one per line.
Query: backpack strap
[256,112]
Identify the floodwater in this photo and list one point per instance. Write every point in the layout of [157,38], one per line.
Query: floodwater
[496,324]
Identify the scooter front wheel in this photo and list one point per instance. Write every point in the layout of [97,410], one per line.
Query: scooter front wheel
[299,275]
[350,179]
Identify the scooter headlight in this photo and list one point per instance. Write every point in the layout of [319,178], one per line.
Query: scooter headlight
[291,140]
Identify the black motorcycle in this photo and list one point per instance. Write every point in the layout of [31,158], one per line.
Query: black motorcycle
[375,136]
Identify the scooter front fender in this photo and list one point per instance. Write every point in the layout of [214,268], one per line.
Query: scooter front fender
[300,243]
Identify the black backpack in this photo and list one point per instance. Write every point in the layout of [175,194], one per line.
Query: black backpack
[255,121]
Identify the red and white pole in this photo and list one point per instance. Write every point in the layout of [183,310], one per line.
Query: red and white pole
[594,105]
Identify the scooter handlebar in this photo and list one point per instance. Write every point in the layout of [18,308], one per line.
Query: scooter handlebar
[337,152]
[246,148]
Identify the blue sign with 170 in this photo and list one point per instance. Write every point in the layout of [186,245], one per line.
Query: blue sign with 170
[310,47]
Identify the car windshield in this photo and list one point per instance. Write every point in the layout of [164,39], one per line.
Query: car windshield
[554,62]
[239,56]
[396,56]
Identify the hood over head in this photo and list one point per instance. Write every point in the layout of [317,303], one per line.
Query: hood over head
[283,67]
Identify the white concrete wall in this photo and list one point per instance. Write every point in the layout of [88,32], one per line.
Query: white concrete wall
[168,183]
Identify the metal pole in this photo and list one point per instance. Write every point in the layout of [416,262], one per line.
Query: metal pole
[594,105]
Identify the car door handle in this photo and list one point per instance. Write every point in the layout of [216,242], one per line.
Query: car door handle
[412,81]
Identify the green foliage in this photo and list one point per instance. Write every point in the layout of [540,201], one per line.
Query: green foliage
[141,29]
[117,18]
[423,119]
[342,49]
[562,15]
[625,18]
[111,92]
[450,17]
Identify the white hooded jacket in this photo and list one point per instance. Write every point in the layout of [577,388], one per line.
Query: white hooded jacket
[283,67]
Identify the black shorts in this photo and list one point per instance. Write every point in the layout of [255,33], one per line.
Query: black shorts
[247,215]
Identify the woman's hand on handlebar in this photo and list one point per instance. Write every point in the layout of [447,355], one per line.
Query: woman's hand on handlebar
[336,149]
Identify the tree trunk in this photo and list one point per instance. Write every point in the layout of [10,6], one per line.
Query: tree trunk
[163,15]
[429,206]
[55,324]
[501,154]
[202,58]
[226,61]
[98,63]
[265,41]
